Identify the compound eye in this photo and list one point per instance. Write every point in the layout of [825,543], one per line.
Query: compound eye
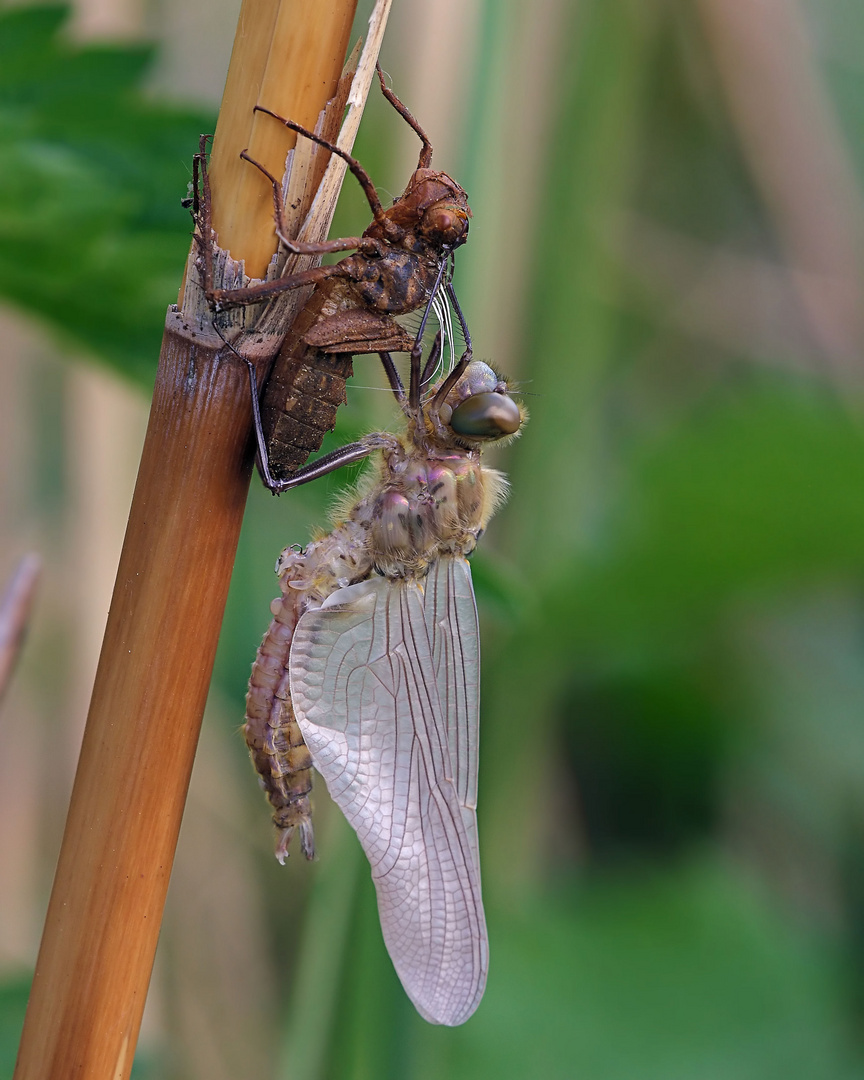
[486,416]
[448,223]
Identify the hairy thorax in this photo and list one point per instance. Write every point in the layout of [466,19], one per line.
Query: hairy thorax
[429,507]
[418,508]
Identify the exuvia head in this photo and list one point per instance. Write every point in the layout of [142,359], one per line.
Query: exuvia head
[445,224]
[433,209]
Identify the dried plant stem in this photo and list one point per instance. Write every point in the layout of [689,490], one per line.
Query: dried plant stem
[15,605]
[278,60]
[106,906]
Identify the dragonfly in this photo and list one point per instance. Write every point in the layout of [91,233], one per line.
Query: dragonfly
[370,671]
[402,263]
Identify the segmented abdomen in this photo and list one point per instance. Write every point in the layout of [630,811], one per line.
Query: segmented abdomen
[303,396]
[307,381]
[305,388]
[275,744]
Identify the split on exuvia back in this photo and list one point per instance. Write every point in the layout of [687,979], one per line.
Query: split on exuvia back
[370,671]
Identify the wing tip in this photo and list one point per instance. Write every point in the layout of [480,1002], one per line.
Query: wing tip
[449,1001]
[450,1013]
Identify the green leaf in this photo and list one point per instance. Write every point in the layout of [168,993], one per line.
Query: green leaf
[93,239]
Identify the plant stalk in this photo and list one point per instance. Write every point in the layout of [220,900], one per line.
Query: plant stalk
[151,685]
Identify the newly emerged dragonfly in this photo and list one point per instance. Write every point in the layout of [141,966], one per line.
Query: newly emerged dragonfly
[402,263]
[370,671]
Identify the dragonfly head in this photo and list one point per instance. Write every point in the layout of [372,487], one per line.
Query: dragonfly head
[445,224]
[479,409]
[433,209]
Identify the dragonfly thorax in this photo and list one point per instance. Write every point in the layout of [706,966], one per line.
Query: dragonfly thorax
[430,497]
[428,507]
[399,284]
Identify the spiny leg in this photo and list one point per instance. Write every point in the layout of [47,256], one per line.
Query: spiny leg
[363,178]
[393,376]
[264,290]
[432,362]
[298,247]
[435,353]
[451,292]
[202,211]
[327,463]
[464,359]
[425,160]
[452,378]
[349,454]
[417,350]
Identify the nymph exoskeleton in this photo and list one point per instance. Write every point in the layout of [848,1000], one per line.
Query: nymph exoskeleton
[402,263]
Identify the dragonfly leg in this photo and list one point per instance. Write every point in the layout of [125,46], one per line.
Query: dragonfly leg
[451,292]
[202,212]
[298,247]
[264,290]
[432,361]
[464,359]
[392,376]
[336,459]
[452,378]
[327,463]
[417,349]
[363,178]
[425,160]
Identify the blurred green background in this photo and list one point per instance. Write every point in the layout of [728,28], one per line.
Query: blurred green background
[666,255]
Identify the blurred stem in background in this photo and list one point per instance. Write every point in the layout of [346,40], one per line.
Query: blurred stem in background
[794,149]
[568,338]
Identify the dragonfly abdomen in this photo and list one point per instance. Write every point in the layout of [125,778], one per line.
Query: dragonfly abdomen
[273,736]
[308,381]
[310,391]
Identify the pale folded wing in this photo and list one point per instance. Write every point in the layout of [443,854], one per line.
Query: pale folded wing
[384,681]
